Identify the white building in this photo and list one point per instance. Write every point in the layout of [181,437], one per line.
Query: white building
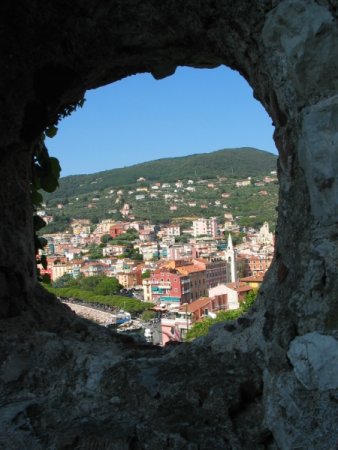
[264,235]
[235,292]
[243,183]
[172,230]
[58,270]
[104,226]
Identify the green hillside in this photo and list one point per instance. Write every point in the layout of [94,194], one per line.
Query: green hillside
[239,163]
[210,191]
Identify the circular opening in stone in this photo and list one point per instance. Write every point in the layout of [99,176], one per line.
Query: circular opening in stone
[247,199]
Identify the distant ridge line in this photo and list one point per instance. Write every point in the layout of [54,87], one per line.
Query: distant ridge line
[240,163]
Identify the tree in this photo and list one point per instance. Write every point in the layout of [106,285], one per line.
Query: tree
[95,251]
[108,286]
[237,238]
[249,300]
[183,239]
[90,283]
[67,280]
[201,328]
[130,235]
[148,315]
[105,238]
[146,274]
[132,253]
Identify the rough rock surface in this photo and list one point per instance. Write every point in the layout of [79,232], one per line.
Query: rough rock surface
[267,382]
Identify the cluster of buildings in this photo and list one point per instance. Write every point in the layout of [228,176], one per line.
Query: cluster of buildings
[186,279]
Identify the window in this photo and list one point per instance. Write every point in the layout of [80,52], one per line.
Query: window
[183,333]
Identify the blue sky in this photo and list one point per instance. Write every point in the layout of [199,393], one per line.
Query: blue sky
[140,119]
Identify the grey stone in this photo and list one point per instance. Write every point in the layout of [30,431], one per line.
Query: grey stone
[14,366]
[314,357]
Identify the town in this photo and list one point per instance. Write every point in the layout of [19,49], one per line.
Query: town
[186,274]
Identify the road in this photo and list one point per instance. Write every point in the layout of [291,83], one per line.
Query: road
[101,317]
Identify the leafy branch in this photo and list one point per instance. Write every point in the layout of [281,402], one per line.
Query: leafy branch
[46,171]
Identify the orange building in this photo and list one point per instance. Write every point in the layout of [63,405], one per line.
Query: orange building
[257,265]
[254,281]
[197,276]
[116,230]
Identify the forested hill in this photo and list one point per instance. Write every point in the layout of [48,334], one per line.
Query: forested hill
[237,163]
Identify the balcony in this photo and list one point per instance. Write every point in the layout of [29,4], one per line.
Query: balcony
[162,289]
[161,284]
[164,285]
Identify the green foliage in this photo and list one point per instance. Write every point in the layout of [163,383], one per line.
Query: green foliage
[95,252]
[106,238]
[67,280]
[148,315]
[183,239]
[249,300]
[246,204]
[129,236]
[59,224]
[199,329]
[89,283]
[65,112]
[45,176]
[146,274]
[243,162]
[108,286]
[237,238]
[96,289]
[202,328]
[101,284]
[132,253]
[46,169]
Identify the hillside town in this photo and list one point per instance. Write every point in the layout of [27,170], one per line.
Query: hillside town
[187,274]
[248,201]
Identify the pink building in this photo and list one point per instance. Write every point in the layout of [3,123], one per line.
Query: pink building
[170,287]
[205,227]
[178,282]
[174,327]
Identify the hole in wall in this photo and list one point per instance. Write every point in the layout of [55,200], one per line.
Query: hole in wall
[138,120]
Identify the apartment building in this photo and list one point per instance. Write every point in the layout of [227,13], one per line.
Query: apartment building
[215,270]
[205,227]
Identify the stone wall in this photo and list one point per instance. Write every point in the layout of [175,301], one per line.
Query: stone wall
[268,381]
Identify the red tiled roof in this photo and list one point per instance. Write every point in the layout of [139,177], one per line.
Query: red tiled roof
[252,279]
[76,261]
[189,269]
[239,286]
[197,304]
